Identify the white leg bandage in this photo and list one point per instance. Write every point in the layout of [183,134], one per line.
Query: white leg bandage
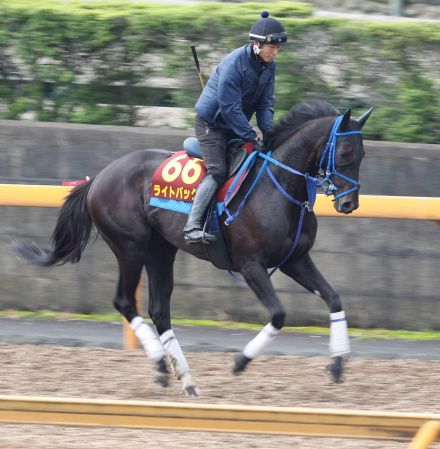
[172,346]
[149,340]
[263,339]
[339,341]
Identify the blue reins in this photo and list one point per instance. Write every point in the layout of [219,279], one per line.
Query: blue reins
[312,183]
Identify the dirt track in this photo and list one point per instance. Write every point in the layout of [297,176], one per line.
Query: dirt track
[371,384]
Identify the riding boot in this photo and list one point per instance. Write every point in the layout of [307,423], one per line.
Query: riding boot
[193,230]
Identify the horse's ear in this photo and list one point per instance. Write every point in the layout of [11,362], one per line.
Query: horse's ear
[364,117]
[345,119]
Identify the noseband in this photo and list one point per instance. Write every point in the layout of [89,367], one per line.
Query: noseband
[330,171]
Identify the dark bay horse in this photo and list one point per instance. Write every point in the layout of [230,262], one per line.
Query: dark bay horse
[276,227]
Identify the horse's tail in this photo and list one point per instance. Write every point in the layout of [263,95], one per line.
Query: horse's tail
[70,236]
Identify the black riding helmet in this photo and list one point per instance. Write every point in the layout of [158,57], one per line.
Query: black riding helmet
[268,31]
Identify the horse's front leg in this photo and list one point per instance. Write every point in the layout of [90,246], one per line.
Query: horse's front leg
[258,280]
[306,274]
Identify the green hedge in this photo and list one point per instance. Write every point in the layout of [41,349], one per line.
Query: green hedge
[93,62]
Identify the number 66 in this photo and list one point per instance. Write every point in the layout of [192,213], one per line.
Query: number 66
[191,171]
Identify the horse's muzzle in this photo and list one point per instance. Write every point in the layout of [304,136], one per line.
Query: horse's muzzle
[346,206]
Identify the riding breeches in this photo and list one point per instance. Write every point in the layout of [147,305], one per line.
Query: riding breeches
[213,144]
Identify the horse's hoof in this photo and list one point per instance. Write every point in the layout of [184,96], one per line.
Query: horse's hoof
[162,373]
[240,363]
[189,387]
[191,391]
[336,369]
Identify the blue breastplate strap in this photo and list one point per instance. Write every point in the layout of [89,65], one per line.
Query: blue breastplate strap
[312,185]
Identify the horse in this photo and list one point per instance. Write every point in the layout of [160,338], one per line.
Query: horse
[312,145]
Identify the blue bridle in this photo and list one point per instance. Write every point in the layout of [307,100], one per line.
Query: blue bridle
[330,152]
[312,182]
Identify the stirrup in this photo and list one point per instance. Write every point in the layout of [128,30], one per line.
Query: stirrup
[197,235]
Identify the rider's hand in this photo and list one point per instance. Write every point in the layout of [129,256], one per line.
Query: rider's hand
[259,146]
[268,134]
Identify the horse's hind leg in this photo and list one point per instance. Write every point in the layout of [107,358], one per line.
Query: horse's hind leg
[306,274]
[131,263]
[258,280]
[159,262]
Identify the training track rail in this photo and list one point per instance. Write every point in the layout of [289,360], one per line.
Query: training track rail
[212,418]
[371,206]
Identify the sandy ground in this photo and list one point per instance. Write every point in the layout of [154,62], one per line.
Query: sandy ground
[370,384]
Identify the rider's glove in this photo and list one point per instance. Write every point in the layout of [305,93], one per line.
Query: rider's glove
[259,146]
[268,134]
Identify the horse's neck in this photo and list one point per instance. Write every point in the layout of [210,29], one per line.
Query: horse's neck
[300,153]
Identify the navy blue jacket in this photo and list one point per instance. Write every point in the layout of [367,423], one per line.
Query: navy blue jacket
[242,85]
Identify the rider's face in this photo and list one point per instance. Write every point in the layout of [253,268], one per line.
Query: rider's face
[269,52]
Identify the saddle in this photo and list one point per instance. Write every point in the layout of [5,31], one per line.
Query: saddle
[236,153]
[175,182]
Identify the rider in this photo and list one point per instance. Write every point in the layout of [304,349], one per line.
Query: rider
[241,85]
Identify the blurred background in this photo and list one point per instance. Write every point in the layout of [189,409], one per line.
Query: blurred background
[84,82]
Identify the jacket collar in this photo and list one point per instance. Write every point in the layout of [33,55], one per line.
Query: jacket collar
[256,61]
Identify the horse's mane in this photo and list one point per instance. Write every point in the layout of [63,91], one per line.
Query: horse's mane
[297,117]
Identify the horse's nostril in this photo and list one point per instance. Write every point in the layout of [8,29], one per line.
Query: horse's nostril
[347,206]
